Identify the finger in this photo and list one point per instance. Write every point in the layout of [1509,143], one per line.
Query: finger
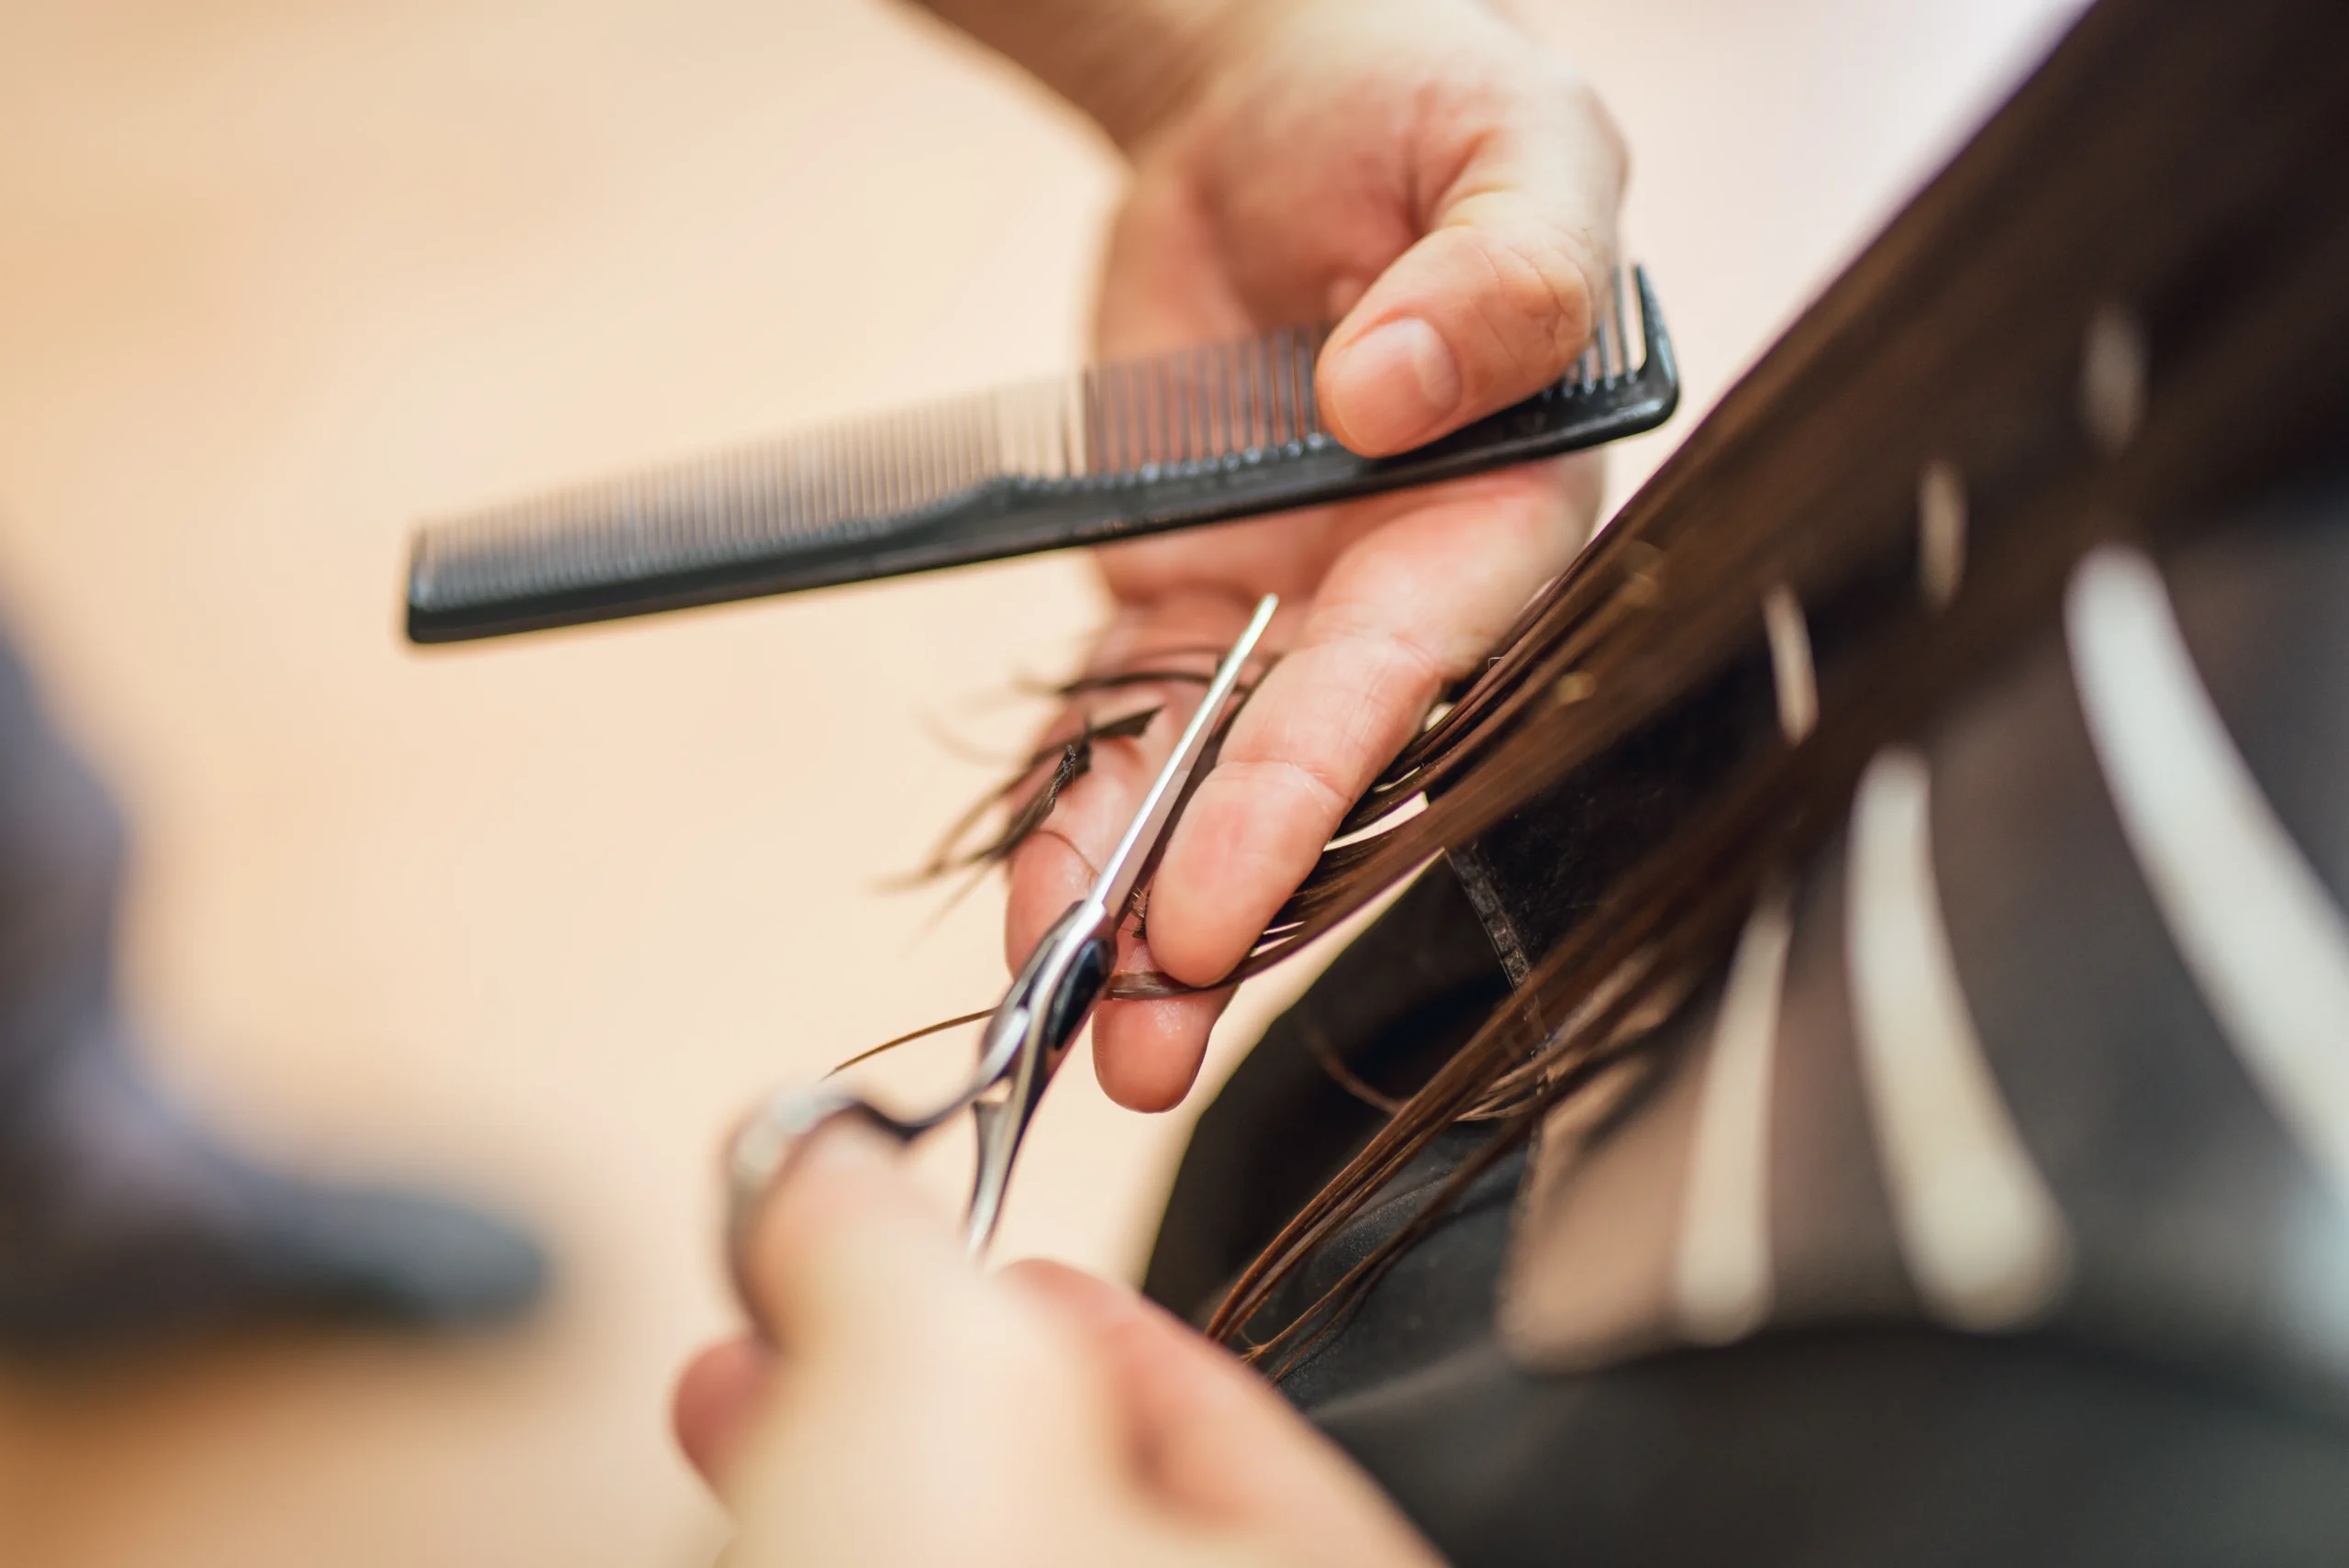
[848,1258]
[1413,606]
[1059,863]
[717,1396]
[1145,1053]
[1498,297]
[1215,1440]
[901,1372]
[876,1315]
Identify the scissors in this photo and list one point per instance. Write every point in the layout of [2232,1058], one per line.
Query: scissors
[1027,1035]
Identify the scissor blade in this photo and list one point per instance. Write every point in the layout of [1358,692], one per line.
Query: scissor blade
[1123,868]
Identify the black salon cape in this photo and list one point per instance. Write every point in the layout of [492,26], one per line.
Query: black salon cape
[1884,1439]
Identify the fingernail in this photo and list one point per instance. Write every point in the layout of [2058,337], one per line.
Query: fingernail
[1395,387]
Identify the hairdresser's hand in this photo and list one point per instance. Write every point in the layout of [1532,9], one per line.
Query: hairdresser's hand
[920,1414]
[1447,186]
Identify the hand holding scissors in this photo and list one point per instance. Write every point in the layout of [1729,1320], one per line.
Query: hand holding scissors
[1030,1030]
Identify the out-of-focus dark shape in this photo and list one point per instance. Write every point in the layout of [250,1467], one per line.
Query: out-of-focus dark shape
[122,1221]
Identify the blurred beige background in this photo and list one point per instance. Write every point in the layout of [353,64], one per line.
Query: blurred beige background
[277,276]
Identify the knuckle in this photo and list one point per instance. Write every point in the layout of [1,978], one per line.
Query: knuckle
[1374,685]
[1292,774]
[1321,783]
[1536,308]
[1423,667]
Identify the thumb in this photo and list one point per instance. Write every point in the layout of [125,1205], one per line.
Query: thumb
[1499,295]
[847,1246]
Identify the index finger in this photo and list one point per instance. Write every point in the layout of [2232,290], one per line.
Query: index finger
[1059,863]
[1414,605]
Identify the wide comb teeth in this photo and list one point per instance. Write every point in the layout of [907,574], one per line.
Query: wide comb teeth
[1218,431]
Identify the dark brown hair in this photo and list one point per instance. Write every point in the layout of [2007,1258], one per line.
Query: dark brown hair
[2118,307]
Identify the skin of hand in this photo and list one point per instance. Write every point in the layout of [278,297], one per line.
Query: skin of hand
[919,1412]
[1430,176]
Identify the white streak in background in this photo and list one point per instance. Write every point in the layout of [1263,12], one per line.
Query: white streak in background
[1941,533]
[2265,942]
[1790,664]
[1981,1234]
[1721,1278]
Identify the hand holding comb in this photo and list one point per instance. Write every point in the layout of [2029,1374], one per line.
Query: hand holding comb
[1205,436]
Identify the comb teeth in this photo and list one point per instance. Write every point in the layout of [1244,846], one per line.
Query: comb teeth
[1231,400]
[733,506]
[1097,448]
[1138,420]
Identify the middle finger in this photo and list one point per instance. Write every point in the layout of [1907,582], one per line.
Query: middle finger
[1144,1052]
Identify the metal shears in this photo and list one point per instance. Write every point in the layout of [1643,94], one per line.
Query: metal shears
[1029,1033]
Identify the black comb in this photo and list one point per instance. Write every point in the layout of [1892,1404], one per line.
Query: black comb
[1124,449]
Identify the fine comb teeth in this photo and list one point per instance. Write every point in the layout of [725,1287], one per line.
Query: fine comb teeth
[1124,449]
